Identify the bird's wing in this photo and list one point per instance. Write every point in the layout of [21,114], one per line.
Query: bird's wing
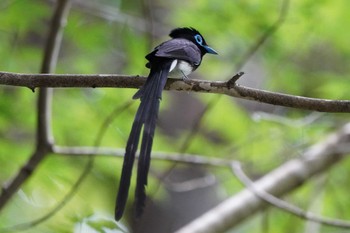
[177,49]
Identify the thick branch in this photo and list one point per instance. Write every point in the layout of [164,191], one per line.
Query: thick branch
[283,205]
[33,81]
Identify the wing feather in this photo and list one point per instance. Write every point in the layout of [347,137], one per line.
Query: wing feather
[181,49]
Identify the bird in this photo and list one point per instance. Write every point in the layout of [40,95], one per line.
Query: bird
[179,56]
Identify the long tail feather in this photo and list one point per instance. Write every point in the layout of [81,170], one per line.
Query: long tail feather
[146,116]
[147,141]
[129,158]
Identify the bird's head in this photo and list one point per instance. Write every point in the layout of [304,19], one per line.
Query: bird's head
[193,35]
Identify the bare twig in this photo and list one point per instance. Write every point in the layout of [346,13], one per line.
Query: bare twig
[44,139]
[218,87]
[162,156]
[278,182]
[232,81]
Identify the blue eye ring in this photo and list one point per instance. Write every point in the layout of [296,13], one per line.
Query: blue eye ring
[199,39]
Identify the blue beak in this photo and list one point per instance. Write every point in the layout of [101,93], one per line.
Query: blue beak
[209,50]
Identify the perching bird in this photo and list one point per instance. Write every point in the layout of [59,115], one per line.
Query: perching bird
[182,54]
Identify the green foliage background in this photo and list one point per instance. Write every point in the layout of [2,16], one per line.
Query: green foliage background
[308,55]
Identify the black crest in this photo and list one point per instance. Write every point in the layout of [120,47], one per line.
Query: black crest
[184,32]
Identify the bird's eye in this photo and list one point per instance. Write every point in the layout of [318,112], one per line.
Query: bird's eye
[199,39]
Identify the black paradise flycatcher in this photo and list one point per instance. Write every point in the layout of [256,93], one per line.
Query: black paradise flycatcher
[180,55]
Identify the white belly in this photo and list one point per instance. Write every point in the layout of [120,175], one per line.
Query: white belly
[179,68]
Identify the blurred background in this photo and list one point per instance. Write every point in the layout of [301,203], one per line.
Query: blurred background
[306,52]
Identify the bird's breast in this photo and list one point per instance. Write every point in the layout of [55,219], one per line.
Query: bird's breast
[179,68]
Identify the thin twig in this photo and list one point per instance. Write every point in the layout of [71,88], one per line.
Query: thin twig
[162,156]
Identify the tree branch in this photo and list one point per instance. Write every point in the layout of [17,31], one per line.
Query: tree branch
[33,81]
[283,205]
[162,156]
[278,182]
